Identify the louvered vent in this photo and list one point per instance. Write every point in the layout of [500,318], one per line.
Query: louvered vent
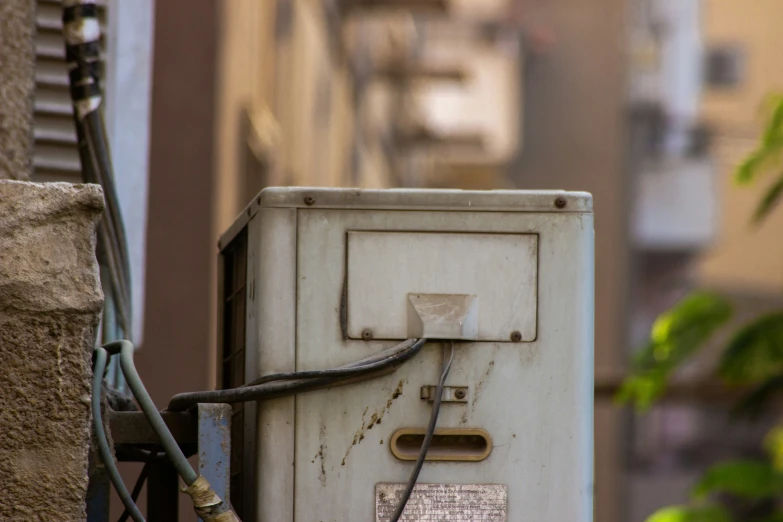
[55,154]
[233,353]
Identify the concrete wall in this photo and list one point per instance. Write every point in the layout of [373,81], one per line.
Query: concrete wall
[50,299]
[575,139]
[17,83]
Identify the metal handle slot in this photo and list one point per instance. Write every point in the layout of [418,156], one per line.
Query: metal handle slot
[448,444]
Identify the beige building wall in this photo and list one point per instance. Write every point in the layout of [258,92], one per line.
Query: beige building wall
[743,256]
[284,108]
[285,100]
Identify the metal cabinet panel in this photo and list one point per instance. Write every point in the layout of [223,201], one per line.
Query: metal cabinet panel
[498,270]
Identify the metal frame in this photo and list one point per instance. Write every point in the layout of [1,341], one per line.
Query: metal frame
[205,431]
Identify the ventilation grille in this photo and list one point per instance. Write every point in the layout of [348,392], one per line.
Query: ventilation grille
[55,153]
[233,352]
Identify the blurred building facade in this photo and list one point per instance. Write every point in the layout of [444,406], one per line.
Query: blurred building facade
[717,63]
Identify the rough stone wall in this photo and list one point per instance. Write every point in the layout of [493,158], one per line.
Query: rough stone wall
[17,87]
[50,299]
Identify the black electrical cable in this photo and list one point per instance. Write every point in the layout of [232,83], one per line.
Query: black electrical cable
[270,386]
[425,445]
[355,368]
[285,384]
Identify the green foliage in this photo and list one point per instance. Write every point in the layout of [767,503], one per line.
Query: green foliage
[707,513]
[676,335]
[769,201]
[766,157]
[753,357]
[755,353]
[748,479]
[773,443]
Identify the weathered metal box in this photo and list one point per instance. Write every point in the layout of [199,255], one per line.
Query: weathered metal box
[317,278]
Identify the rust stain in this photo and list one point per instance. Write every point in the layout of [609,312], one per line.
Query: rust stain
[374,419]
[398,391]
[480,385]
[477,391]
[321,455]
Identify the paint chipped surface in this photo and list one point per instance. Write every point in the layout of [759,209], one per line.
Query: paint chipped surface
[452,502]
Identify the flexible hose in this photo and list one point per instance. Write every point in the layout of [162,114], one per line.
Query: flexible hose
[170,446]
[100,435]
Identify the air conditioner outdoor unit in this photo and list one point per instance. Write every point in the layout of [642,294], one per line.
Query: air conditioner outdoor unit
[319,278]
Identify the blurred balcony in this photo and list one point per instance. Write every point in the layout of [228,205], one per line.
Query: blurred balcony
[676,204]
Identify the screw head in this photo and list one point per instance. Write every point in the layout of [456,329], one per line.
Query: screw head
[516,336]
[367,334]
[309,200]
[560,202]
[460,394]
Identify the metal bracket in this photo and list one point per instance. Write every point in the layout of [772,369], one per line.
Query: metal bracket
[207,433]
[450,393]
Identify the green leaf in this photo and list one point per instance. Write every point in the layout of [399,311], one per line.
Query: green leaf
[768,152]
[766,156]
[748,479]
[775,124]
[709,513]
[676,335]
[773,443]
[642,390]
[768,202]
[755,354]
[747,169]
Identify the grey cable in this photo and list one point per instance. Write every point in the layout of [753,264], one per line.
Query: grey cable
[425,445]
[170,446]
[100,435]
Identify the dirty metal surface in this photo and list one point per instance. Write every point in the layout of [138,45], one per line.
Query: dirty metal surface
[444,502]
[214,446]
